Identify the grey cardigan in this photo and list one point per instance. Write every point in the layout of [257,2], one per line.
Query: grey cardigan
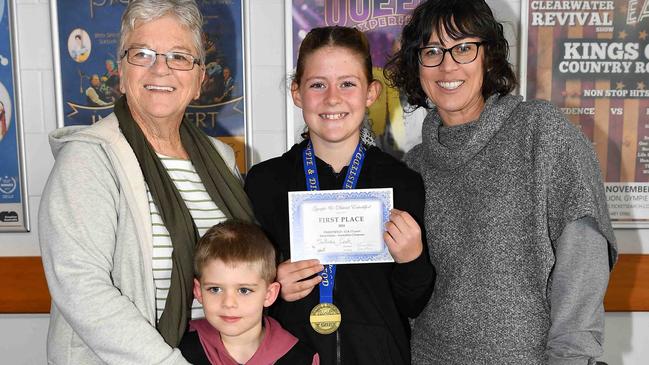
[96,243]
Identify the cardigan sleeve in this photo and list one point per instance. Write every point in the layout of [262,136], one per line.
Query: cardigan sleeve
[78,221]
[583,242]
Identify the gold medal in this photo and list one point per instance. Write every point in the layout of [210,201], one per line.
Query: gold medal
[325,318]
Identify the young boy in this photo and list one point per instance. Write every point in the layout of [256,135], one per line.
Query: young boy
[235,272]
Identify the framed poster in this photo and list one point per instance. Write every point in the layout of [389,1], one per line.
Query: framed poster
[591,59]
[396,127]
[86,37]
[14,213]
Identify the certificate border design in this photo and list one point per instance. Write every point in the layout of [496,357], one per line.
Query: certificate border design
[18,150]
[297,198]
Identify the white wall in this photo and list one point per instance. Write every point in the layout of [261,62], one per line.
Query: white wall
[22,337]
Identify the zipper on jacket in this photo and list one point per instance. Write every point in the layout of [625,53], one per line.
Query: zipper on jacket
[338,347]
[338,357]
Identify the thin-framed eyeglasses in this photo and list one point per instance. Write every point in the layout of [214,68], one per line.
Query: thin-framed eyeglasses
[145,57]
[463,53]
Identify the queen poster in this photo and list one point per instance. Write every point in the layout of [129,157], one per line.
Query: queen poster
[87,59]
[591,58]
[396,126]
[13,198]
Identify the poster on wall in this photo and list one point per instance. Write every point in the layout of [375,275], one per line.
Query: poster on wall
[86,38]
[396,126]
[14,215]
[591,59]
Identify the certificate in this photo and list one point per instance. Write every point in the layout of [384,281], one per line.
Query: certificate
[339,226]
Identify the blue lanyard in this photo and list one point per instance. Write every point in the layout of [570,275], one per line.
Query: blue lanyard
[312,184]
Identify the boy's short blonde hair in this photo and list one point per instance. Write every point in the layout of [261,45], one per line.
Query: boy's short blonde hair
[236,242]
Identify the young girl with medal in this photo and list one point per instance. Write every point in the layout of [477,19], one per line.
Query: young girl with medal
[354,313]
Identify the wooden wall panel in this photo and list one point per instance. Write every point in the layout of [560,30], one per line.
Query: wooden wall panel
[628,288]
[23,288]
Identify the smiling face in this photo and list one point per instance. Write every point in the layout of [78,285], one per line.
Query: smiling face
[333,94]
[158,93]
[234,296]
[456,89]
[94,80]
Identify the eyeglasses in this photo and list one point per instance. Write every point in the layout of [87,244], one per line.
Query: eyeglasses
[433,56]
[146,58]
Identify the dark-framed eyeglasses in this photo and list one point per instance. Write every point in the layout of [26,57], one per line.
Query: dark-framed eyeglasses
[433,56]
[145,57]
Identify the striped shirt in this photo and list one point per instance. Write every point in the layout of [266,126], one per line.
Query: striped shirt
[204,212]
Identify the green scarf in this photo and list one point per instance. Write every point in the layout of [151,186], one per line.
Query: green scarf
[221,185]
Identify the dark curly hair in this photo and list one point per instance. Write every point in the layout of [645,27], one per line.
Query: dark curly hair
[460,19]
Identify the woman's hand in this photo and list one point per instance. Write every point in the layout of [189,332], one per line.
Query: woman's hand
[403,236]
[293,278]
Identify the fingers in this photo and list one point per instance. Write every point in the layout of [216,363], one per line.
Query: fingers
[299,290]
[304,267]
[402,226]
[403,236]
[298,278]
[402,221]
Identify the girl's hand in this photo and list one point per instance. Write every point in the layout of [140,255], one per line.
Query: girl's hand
[293,278]
[403,236]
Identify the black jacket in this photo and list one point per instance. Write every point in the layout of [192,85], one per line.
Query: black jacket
[375,300]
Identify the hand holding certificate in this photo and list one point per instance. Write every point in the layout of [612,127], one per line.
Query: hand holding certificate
[403,236]
[340,226]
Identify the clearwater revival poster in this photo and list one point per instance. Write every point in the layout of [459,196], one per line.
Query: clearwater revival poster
[591,58]
[86,41]
[13,198]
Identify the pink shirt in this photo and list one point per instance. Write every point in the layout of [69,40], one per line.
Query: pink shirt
[276,343]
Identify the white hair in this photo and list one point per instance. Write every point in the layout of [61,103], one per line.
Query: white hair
[185,11]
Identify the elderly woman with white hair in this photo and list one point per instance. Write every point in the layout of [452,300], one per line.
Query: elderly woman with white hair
[128,198]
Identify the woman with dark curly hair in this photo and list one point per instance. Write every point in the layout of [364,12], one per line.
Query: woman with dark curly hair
[516,218]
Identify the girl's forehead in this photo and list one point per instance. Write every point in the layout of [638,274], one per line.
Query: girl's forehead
[334,49]
[327,54]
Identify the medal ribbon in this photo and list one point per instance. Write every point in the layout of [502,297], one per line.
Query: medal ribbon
[312,184]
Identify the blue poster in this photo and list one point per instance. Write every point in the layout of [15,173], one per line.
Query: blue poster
[12,210]
[88,37]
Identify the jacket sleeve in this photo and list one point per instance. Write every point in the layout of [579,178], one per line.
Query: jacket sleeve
[412,282]
[578,284]
[79,218]
[270,204]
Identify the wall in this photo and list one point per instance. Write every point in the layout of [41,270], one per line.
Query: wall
[22,337]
